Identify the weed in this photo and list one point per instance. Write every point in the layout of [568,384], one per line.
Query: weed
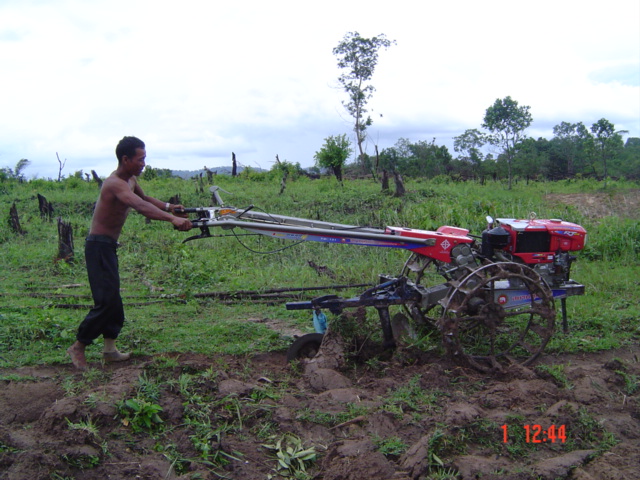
[585,431]
[96,375]
[140,414]
[207,441]
[14,377]
[265,430]
[319,417]
[185,384]
[93,399]
[179,463]
[4,448]
[148,388]
[210,373]
[71,386]
[86,426]
[162,363]
[390,447]
[292,457]
[412,397]
[631,382]
[437,443]
[82,462]
[556,372]
[442,473]
[57,476]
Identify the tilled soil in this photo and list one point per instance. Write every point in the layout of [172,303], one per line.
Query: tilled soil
[408,417]
[412,416]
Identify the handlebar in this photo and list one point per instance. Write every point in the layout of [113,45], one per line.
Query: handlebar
[191,210]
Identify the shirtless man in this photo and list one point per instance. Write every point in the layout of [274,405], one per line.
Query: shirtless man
[120,193]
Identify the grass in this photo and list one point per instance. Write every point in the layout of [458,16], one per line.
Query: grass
[557,373]
[161,275]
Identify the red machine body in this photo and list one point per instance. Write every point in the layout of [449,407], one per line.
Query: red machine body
[538,241]
[443,240]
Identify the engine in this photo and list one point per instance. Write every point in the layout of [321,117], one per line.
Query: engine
[544,245]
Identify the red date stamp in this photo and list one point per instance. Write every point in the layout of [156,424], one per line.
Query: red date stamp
[538,434]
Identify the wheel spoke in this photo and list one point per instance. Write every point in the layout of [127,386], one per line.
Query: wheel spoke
[482,332]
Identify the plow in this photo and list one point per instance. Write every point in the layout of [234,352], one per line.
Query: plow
[495,304]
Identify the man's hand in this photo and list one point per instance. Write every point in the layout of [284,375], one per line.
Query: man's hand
[181,213]
[182,224]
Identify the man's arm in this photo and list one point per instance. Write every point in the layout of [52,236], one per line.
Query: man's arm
[148,206]
[165,206]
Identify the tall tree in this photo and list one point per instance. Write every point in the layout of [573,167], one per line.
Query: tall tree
[16,173]
[532,158]
[469,144]
[334,154]
[567,139]
[630,158]
[607,142]
[507,122]
[358,57]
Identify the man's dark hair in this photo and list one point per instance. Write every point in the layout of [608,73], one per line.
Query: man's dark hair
[127,146]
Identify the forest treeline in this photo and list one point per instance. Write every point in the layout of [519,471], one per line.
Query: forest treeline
[573,152]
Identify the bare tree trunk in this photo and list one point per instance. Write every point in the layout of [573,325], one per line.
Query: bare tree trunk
[337,171]
[400,191]
[285,174]
[14,220]
[374,168]
[65,241]
[61,166]
[209,174]
[46,209]
[96,178]
[385,181]
[200,184]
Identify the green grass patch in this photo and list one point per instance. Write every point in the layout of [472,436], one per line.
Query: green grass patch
[42,301]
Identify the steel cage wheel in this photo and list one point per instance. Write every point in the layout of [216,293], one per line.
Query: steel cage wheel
[499,313]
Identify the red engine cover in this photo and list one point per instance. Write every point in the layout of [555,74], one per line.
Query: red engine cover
[536,241]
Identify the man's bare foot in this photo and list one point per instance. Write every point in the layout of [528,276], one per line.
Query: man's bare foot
[115,356]
[76,352]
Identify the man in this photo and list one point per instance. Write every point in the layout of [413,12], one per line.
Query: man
[120,193]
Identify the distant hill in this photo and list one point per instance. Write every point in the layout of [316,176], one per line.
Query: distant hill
[219,170]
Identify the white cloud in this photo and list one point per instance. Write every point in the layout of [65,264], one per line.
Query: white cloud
[198,80]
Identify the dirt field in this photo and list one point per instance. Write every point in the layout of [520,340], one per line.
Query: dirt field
[412,416]
[463,419]
[599,205]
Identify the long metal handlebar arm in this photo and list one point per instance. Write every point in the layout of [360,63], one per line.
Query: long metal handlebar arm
[328,233]
[298,229]
[294,228]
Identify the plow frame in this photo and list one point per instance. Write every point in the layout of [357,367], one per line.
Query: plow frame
[479,291]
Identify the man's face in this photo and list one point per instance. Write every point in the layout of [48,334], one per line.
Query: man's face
[136,164]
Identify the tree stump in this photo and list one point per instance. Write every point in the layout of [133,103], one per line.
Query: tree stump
[385,181]
[400,191]
[65,241]
[14,220]
[96,178]
[46,209]
[210,174]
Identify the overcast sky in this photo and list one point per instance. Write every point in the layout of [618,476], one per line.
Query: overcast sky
[199,79]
